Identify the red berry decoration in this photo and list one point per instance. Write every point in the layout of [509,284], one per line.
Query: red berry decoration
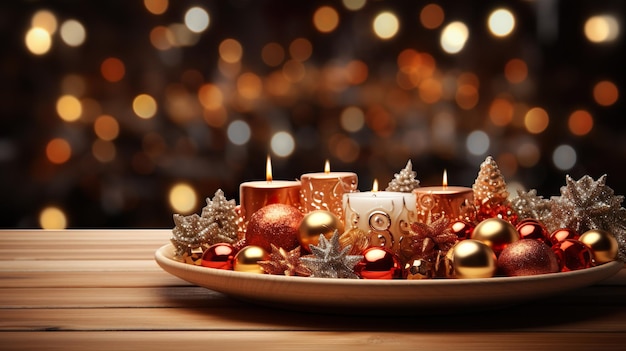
[378,263]
[572,255]
[219,256]
[562,234]
[532,229]
[462,229]
[527,257]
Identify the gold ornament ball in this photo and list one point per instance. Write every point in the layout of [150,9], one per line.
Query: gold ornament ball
[496,233]
[316,223]
[472,259]
[246,260]
[602,243]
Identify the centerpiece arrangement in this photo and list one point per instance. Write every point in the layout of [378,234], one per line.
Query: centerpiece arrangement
[322,226]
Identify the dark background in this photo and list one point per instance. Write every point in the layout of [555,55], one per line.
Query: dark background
[131,191]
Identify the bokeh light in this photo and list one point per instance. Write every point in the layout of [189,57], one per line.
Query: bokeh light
[501,22]
[104,151]
[516,71]
[52,218]
[453,37]
[230,50]
[58,151]
[536,120]
[45,19]
[144,106]
[326,19]
[300,49]
[386,25]
[38,41]
[156,7]
[282,144]
[69,108]
[580,122]
[564,157]
[73,32]
[239,132]
[183,198]
[106,127]
[354,5]
[478,142]
[273,54]
[602,29]
[352,119]
[197,19]
[432,16]
[113,69]
[605,93]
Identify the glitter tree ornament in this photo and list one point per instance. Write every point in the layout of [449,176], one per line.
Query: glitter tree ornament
[222,217]
[329,260]
[190,233]
[283,262]
[588,204]
[490,194]
[404,181]
[528,204]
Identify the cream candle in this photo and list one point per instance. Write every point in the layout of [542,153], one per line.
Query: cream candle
[453,202]
[324,190]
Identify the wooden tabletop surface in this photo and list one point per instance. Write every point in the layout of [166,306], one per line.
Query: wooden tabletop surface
[102,290]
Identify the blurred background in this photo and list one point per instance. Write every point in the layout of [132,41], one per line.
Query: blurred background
[121,113]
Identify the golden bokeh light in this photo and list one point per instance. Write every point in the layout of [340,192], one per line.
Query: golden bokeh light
[501,112]
[38,41]
[453,37]
[536,120]
[605,93]
[103,151]
[210,96]
[602,29]
[58,151]
[73,32]
[112,69]
[300,49]
[230,50]
[144,106]
[69,108]
[52,218]
[432,16]
[357,72]
[386,25]
[430,90]
[273,54]
[159,38]
[326,19]
[294,71]
[45,19]
[215,118]
[516,71]
[249,85]
[179,35]
[352,119]
[580,122]
[106,127]
[467,96]
[183,198]
[156,7]
[501,22]
[354,5]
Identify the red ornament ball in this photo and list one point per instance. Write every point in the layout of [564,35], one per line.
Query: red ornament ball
[562,234]
[378,263]
[532,229]
[219,256]
[527,257]
[572,255]
[276,224]
[462,229]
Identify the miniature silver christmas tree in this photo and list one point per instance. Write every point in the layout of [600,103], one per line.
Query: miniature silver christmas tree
[222,218]
[404,181]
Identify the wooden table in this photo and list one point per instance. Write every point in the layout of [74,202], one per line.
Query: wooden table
[102,290]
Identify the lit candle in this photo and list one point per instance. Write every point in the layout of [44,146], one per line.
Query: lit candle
[324,190]
[256,194]
[453,202]
[384,216]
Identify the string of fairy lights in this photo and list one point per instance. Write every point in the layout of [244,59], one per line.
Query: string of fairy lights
[150,113]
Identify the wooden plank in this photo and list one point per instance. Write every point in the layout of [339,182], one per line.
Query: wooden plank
[79,266]
[84,234]
[303,341]
[570,318]
[100,279]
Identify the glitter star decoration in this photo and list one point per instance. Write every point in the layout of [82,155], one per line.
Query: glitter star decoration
[427,240]
[528,204]
[222,217]
[189,233]
[283,262]
[404,181]
[589,204]
[330,260]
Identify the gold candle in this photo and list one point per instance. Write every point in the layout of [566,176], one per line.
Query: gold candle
[256,194]
[453,202]
[324,191]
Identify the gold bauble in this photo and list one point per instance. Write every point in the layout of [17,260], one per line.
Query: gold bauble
[316,223]
[602,243]
[246,260]
[496,233]
[472,259]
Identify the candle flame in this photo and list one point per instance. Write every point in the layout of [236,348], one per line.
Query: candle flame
[268,169]
[327,167]
[375,185]
[444,181]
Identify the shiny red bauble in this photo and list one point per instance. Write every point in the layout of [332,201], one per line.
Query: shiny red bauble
[219,256]
[532,229]
[562,234]
[378,263]
[462,229]
[572,255]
